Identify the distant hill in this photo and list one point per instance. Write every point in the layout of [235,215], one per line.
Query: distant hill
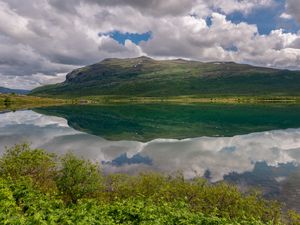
[4,90]
[144,76]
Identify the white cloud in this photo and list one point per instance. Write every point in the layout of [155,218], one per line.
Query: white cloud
[293,9]
[286,16]
[192,38]
[29,82]
[244,6]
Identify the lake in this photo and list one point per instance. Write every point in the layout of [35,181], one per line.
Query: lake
[253,146]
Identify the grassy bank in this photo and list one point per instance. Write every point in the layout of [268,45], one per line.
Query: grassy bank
[16,102]
[41,188]
[187,99]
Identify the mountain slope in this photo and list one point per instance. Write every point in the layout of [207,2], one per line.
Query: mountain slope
[144,76]
[4,90]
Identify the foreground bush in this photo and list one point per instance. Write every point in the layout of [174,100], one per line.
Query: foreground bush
[74,191]
[78,178]
[21,161]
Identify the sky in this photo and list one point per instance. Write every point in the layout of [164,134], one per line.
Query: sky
[42,40]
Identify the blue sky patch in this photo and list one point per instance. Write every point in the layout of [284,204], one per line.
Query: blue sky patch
[134,37]
[231,48]
[208,21]
[123,159]
[266,19]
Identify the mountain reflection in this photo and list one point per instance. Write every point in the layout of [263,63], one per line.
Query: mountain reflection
[152,121]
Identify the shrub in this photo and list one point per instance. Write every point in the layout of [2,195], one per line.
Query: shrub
[9,211]
[220,200]
[294,218]
[78,178]
[21,160]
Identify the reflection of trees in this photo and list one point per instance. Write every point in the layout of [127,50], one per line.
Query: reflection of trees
[7,101]
[207,174]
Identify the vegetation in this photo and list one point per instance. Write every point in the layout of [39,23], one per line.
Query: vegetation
[145,77]
[15,101]
[37,187]
[190,99]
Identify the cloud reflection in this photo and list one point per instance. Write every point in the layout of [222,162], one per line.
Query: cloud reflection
[219,155]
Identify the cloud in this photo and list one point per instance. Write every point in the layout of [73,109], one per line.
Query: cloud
[29,82]
[244,6]
[21,59]
[286,16]
[150,7]
[169,7]
[293,9]
[50,36]
[193,38]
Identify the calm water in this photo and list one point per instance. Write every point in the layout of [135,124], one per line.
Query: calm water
[252,146]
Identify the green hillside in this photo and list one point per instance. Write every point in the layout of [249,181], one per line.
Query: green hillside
[144,76]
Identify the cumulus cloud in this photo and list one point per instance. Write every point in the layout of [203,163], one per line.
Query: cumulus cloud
[293,9]
[244,6]
[170,7]
[29,82]
[50,36]
[151,7]
[193,38]
[286,16]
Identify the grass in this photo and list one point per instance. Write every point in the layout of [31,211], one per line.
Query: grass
[186,99]
[17,102]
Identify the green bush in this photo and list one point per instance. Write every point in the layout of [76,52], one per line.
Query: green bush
[20,161]
[21,203]
[294,218]
[78,178]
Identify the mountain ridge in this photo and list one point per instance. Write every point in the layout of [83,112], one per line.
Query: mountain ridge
[147,77]
[4,90]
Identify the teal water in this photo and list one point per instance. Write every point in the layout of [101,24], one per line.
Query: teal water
[152,121]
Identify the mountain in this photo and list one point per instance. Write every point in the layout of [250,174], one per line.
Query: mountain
[4,90]
[144,76]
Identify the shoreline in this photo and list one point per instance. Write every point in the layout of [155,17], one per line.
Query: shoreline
[18,102]
[186,100]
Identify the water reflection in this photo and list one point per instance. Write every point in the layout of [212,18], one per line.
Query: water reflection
[264,159]
[219,155]
[152,121]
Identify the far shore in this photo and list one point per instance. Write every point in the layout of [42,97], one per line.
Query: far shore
[18,102]
[187,99]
